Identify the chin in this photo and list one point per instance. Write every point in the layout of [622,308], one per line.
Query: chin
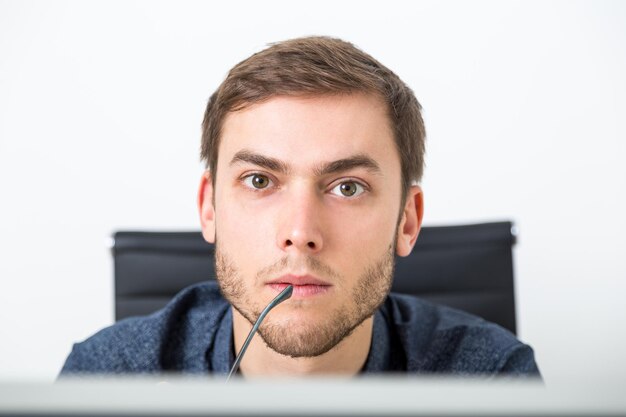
[303,336]
[300,316]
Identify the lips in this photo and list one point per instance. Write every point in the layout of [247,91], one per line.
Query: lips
[297,280]
[303,286]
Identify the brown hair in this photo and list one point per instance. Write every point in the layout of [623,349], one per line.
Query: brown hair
[317,66]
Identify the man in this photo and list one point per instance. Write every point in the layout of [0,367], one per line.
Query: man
[314,153]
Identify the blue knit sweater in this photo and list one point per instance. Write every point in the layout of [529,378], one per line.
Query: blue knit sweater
[194,334]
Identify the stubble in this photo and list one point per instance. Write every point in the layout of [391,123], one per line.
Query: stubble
[315,338]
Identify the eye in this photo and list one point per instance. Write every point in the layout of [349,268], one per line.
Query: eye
[257,181]
[348,189]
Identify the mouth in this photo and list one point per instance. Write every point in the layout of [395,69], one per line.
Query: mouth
[304,286]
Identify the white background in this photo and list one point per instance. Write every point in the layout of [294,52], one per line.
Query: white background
[100,112]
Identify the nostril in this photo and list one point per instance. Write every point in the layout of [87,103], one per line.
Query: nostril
[310,245]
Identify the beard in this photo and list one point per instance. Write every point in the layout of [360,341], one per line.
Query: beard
[295,339]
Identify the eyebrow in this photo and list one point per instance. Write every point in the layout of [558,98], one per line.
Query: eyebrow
[333,167]
[345,164]
[266,162]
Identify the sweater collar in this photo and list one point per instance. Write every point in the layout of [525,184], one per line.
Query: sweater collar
[222,357]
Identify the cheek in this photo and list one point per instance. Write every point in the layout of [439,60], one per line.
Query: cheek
[360,236]
[243,230]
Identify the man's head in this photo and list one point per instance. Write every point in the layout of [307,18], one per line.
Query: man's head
[318,66]
[312,148]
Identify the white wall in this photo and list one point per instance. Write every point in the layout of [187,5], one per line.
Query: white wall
[100,111]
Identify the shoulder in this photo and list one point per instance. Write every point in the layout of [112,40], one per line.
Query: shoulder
[155,342]
[441,339]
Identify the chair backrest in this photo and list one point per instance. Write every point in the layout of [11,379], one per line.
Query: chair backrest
[469,267]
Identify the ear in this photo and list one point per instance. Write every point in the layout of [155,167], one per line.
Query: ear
[206,207]
[411,221]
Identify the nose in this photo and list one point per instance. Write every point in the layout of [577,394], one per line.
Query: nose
[300,228]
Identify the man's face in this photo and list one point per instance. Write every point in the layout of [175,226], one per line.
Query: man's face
[308,193]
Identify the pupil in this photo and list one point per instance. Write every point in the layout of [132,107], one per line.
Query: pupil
[259,181]
[348,189]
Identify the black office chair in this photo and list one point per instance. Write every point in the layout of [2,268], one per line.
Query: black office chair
[467,267]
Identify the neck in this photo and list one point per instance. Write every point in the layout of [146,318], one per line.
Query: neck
[346,358]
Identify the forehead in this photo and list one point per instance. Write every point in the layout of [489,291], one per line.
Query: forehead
[303,131]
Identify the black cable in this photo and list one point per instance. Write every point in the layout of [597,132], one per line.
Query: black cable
[284,295]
